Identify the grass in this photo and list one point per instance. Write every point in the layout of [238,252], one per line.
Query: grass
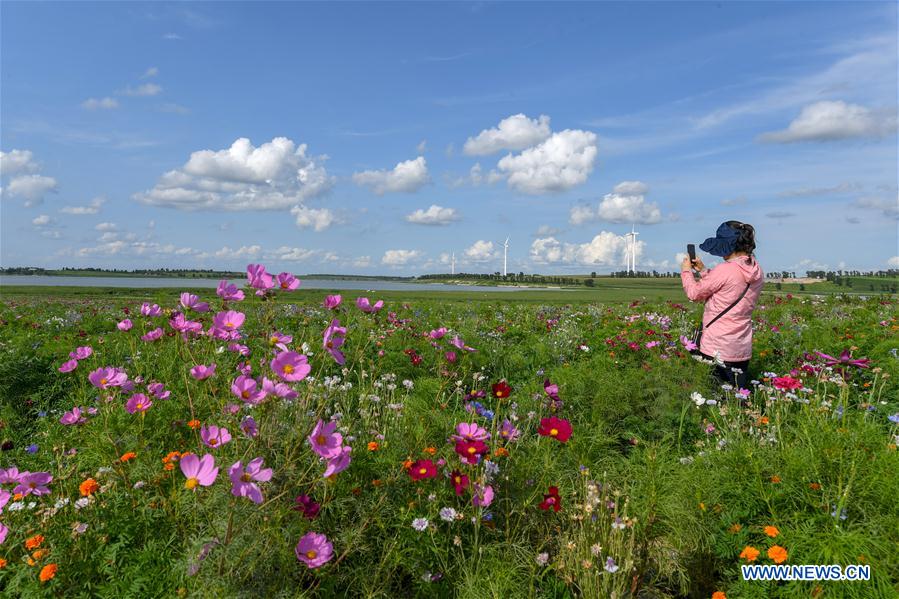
[673,492]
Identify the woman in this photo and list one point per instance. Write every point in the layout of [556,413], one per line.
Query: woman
[738,281]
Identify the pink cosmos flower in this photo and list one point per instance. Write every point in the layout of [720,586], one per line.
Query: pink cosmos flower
[687,343]
[458,343]
[278,338]
[81,353]
[150,310]
[138,403]
[286,281]
[324,440]
[181,324]
[259,279]
[33,483]
[281,390]
[153,335]
[332,301]
[451,357]
[437,333]
[314,550]
[466,431]
[73,417]
[339,463]
[334,337]
[192,302]
[552,390]
[104,378]
[482,495]
[508,431]
[68,366]
[249,428]
[244,387]
[198,471]
[158,391]
[291,366]
[229,292]
[202,372]
[228,321]
[213,436]
[244,479]
[241,349]
[10,475]
[4,530]
[366,306]
[124,325]
[4,499]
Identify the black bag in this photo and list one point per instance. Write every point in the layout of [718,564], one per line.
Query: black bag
[697,332]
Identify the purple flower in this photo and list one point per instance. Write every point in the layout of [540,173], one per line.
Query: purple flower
[291,366]
[258,278]
[73,417]
[10,475]
[192,302]
[213,436]
[687,343]
[138,403]
[611,567]
[286,281]
[332,301]
[225,325]
[198,471]
[508,431]
[894,418]
[81,353]
[68,366]
[482,495]
[153,335]
[243,480]
[339,463]
[4,530]
[325,441]
[307,505]
[437,333]
[150,310]
[314,550]
[158,391]
[459,344]
[244,387]
[33,483]
[124,325]
[104,378]
[202,372]
[249,427]
[470,432]
[281,390]
[366,306]
[229,292]
[334,337]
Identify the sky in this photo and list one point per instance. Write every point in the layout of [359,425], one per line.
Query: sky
[382,138]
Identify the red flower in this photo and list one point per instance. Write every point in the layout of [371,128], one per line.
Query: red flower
[422,469]
[786,383]
[471,451]
[552,500]
[501,390]
[557,428]
[460,481]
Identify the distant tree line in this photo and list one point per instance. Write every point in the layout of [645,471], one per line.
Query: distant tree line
[143,272]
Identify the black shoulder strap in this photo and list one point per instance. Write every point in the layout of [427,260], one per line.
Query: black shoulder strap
[727,309]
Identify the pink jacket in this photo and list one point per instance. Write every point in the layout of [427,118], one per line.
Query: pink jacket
[731,335]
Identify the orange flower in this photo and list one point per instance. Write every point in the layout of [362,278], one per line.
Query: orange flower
[376,483]
[763,420]
[48,572]
[17,496]
[2,563]
[778,554]
[749,553]
[430,450]
[771,531]
[814,486]
[701,506]
[88,487]
[500,452]
[407,464]
[775,479]
[719,595]
[34,542]
[373,446]
[127,456]
[39,553]
[735,528]
[194,423]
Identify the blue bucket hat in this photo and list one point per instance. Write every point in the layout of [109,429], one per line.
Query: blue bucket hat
[723,243]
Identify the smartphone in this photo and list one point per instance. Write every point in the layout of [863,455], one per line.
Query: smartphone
[691,250]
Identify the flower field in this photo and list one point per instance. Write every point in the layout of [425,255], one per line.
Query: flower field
[275,442]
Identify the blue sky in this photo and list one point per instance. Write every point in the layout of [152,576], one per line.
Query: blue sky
[381,137]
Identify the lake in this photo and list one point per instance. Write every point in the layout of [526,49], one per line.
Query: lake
[139,282]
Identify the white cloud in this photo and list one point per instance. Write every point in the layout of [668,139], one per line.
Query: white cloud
[547,231]
[172,36]
[832,120]
[243,252]
[581,214]
[818,191]
[889,208]
[559,163]
[92,208]
[24,180]
[626,204]
[422,146]
[293,254]
[408,177]
[31,187]
[481,251]
[106,103]
[435,215]
[738,201]
[516,132]
[174,108]
[151,72]
[16,162]
[276,175]
[399,257]
[606,249]
[631,188]
[145,89]
[106,227]
[318,219]
[894,262]
[362,262]
[41,220]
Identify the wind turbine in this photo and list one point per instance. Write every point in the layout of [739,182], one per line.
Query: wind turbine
[632,250]
[505,255]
